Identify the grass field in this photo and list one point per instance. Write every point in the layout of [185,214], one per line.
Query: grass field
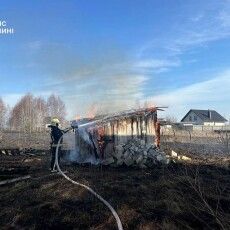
[175,196]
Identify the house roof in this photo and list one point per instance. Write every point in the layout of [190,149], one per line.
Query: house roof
[206,115]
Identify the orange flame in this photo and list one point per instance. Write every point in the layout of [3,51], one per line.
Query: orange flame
[92,112]
[78,117]
[101,142]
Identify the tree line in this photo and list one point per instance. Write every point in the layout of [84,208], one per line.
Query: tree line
[31,113]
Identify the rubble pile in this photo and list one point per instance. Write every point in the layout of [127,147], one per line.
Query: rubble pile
[137,154]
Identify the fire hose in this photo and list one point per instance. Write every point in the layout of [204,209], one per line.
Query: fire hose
[119,224]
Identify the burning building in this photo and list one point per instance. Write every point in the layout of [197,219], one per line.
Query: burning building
[128,137]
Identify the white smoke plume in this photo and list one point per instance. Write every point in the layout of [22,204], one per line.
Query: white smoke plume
[107,81]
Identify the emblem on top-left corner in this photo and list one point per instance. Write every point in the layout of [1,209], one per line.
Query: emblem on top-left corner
[6,28]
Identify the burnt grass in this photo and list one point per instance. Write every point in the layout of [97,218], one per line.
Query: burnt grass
[176,196]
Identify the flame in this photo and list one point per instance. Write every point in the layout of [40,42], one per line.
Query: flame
[101,132]
[101,141]
[78,117]
[149,104]
[92,112]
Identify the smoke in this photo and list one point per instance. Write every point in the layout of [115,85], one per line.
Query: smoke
[103,78]
[75,155]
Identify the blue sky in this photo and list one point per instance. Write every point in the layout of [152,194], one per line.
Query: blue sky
[116,54]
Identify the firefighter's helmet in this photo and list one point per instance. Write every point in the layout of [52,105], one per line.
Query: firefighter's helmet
[55,121]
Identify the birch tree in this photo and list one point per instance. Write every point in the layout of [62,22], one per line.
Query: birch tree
[3,113]
[56,108]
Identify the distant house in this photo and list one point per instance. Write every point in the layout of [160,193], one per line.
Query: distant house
[203,117]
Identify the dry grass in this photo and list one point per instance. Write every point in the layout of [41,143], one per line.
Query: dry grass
[173,197]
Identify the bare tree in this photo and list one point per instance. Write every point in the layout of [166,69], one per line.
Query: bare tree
[30,112]
[23,114]
[56,107]
[40,107]
[3,113]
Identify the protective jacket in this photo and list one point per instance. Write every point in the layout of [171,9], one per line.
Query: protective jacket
[55,134]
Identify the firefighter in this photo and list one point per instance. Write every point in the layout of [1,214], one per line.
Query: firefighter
[56,134]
